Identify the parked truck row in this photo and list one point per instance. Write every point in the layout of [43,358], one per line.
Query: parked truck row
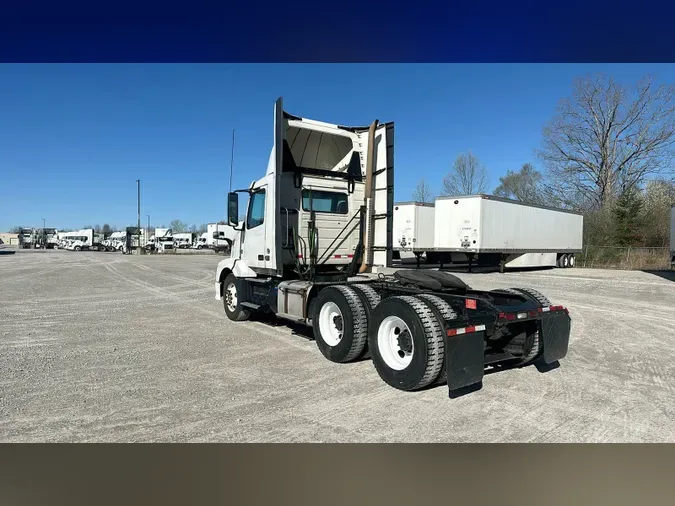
[316,247]
[218,237]
[488,230]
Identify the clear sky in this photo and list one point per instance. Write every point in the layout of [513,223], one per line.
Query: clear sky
[74,138]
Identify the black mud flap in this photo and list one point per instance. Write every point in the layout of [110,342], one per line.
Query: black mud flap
[555,333]
[465,359]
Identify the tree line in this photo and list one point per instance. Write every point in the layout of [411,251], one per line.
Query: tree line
[607,153]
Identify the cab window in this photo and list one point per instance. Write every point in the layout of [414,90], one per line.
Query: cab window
[324,201]
[256,210]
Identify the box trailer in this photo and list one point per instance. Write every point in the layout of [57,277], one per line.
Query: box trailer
[511,234]
[413,227]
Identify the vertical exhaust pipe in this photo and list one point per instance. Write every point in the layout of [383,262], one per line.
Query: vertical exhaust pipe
[368,198]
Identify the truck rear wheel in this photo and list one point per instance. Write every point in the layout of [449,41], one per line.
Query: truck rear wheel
[370,299]
[231,300]
[406,343]
[448,314]
[340,323]
[527,343]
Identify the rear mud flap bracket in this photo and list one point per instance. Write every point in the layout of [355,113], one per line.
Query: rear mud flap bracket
[555,333]
[465,359]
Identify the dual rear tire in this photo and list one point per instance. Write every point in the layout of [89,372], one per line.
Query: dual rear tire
[403,335]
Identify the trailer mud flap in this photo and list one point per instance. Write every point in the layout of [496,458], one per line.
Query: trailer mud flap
[555,333]
[465,359]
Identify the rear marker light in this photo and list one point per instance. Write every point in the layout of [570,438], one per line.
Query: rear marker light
[466,330]
[471,303]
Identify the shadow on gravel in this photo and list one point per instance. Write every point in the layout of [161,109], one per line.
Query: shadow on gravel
[306,333]
[464,267]
[667,275]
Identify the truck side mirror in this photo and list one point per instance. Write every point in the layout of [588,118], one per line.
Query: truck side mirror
[233,209]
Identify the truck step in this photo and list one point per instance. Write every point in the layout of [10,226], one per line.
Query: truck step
[250,305]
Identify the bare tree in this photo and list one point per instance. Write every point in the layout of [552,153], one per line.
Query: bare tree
[607,139]
[523,185]
[468,176]
[178,226]
[422,194]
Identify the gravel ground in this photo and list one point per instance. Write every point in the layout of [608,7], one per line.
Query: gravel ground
[105,347]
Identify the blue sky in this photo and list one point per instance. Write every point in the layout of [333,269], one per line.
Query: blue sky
[74,138]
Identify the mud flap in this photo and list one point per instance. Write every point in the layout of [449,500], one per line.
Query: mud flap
[465,359]
[555,333]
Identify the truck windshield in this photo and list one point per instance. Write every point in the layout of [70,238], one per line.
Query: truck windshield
[324,201]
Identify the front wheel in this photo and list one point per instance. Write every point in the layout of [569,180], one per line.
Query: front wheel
[231,300]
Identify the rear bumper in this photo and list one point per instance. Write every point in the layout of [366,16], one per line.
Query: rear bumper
[465,358]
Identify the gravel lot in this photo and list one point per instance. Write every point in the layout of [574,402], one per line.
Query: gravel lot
[105,347]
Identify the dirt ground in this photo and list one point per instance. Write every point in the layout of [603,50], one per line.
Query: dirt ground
[106,347]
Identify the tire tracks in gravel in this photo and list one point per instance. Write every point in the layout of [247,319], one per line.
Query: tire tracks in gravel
[286,337]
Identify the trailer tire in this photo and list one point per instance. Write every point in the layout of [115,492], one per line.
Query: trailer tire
[231,300]
[340,324]
[420,356]
[564,261]
[572,261]
[370,299]
[447,313]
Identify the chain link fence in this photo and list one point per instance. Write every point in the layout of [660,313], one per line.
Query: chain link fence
[629,258]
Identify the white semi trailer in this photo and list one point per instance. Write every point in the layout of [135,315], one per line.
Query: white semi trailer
[508,233]
[413,228]
[316,248]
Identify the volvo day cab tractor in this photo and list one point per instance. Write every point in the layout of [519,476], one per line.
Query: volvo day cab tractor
[316,247]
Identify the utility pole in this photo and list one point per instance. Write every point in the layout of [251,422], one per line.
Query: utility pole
[138,184]
[43,224]
[147,230]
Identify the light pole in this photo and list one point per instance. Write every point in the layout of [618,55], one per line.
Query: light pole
[147,230]
[43,224]
[138,184]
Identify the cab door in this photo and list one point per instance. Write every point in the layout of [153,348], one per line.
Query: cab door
[254,247]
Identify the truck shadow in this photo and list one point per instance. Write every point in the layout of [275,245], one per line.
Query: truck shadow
[492,369]
[667,275]
[306,332]
[464,267]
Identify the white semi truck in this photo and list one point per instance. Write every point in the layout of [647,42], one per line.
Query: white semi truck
[183,240]
[220,237]
[163,239]
[316,247]
[490,230]
[26,238]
